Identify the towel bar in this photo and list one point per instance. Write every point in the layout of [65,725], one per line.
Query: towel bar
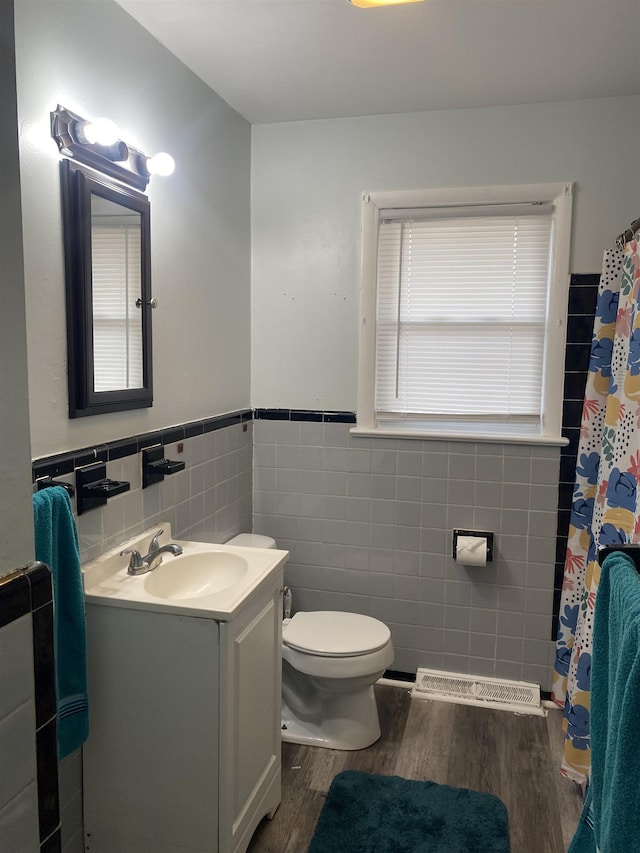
[155,466]
[94,487]
[632,551]
[47,482]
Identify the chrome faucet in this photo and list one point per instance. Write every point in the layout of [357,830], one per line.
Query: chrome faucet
[138,565]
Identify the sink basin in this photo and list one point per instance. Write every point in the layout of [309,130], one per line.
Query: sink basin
[195,575]
[209,580]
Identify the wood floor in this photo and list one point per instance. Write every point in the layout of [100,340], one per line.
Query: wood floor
[517,758]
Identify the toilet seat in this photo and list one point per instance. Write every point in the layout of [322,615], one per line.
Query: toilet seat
[335,634]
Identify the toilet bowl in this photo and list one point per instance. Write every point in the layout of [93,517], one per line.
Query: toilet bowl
[330,662]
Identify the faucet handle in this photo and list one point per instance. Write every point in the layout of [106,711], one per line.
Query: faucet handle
[136,561]
[154,544]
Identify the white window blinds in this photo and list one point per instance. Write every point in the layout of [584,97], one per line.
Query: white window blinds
[461,313]
[117,323]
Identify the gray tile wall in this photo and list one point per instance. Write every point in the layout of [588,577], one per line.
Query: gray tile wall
[368,523]
[18,777]
[210,500]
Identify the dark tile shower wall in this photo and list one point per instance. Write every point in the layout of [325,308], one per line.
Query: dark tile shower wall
[26,613]
[583,292]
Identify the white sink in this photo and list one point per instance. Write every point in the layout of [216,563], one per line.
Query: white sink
[196,575]
[208,580]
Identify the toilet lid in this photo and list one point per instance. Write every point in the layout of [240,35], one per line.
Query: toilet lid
[335,634]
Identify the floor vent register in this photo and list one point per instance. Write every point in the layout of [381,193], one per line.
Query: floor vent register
[517,696]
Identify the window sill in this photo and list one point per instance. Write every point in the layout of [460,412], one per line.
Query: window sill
[449,435]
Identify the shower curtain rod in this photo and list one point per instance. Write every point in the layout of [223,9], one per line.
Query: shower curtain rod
[629,234]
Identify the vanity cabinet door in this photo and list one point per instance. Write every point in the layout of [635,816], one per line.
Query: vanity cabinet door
[250,691]
[151,759]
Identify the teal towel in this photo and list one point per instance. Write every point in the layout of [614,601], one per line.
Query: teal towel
[615,712]
[584,840]
[56,539]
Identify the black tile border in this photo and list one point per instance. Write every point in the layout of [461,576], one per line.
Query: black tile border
[53,844]
[39,577]
[396,675]
[582,299]
[306,415]
[313,415]
[574,385]
[272,414]
[44,664]
[29,590]
[577,356]
[48,795]
[583,294]
[15,598]
[589,278]
[66,463]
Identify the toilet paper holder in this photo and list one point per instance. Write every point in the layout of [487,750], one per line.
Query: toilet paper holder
[478,533]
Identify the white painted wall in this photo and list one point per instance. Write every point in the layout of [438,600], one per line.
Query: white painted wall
[16,514]
[307,182]
[96,60]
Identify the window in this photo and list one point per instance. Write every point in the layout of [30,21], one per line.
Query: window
[464,310]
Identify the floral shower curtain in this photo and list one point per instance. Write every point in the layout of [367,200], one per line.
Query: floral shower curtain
[605,497]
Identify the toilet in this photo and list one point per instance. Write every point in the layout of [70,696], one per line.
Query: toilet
[330,662]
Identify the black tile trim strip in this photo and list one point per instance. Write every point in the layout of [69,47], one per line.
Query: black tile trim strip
[583,293]
[579,279]
[396,675]
[44,664]
[66,463]
[272,414]
[317,416]
[53,844]
[48,794]
[15,600]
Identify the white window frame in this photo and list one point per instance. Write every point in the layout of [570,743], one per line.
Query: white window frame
[559,195]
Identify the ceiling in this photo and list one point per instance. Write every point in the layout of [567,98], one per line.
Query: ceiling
[288,60]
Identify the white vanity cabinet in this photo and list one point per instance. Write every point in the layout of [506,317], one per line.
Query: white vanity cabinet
[183,754]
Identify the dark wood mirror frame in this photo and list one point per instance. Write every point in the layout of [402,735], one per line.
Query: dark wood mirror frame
[78,185]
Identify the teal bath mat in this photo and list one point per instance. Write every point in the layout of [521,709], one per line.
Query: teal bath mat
[367,813]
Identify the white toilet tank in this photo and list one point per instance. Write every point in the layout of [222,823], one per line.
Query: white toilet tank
[252,540]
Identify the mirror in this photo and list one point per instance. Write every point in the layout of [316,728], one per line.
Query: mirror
[107,248]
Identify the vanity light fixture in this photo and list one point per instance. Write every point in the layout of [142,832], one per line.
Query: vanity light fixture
[367,4]
[95,143]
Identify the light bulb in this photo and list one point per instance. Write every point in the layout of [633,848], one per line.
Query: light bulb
[161,164]
[102,131]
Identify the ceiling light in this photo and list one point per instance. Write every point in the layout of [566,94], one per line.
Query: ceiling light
[365,4]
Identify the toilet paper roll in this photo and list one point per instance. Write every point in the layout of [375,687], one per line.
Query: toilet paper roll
[471,550]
